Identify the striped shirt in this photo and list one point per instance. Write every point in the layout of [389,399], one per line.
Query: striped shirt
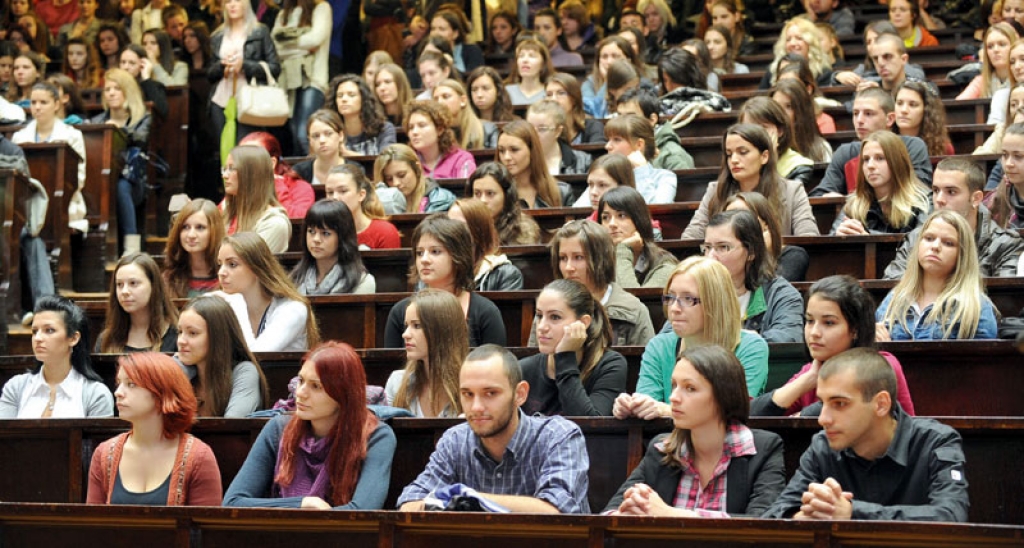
[545,459]
[710,502]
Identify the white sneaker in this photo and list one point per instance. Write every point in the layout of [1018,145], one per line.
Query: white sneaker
[26,320]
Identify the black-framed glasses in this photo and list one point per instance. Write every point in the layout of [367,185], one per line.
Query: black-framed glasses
[684,301]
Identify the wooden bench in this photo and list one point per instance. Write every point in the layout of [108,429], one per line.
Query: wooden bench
[14,188]
[55,166]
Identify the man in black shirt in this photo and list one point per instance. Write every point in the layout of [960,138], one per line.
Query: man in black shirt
[873,461]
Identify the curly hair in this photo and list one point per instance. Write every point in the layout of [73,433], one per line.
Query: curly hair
[816,57]
[371,112]
[514,227]
[439,116]
[933,130]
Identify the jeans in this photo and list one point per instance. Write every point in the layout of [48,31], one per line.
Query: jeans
[36,277]
[126,208]
[307,101]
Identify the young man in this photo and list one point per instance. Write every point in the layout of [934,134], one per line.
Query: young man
[829,11]
[548,26]
[890,58]
[873,461]
[671,154]
[958,185]
[519,462]
[873,110]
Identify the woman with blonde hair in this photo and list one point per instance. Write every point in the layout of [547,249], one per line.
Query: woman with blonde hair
[519,150]
[471,132]
[530,72]
[435,346]
[492,270]
[250,204]
[662,31]
[399,167]
[140,314]
[942,294]
[190,256]
[995,63]
[889,197]
[391,86]
[801,37]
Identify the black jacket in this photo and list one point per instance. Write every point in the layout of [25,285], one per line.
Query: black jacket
[258,47]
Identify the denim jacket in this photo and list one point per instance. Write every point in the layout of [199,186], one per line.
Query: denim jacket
[920,331]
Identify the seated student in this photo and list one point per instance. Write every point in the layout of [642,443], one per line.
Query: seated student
[332,453]
[575,372]
[273,315]
[920,113]
[765,112]
[957,185]
[493,185]
[71,106]
[454,26]
[430,134]
[435,339]
[633,137]
[250,204]
[292,190]
[703,309]
[719,43]
[443,259]
[888,199]
[490,99]
[609,50]
[160,56]
[807,140]
[791,261]
[580,128]
[749,165]
[548,118]
[794,67]
[529,73]
[157,462]
[398,166]
[873,461]
[840,315]
[1008,205]
[331,262]
[326,137]
[711,464]
[548,26]
[700,52]
[941,295]
[391,86]
[639,261]
[607,172]
[800,37]
[150,90]
[63,384]
[492,270]
[519,150]
[873,110]
[190,256]
[504,30]
[578,30]
[995,63]
[471,132]
[770,305]
[348,184]
[432,66]
[141,316]
[519,462]
[583,251]
[226,377]
[644,103]
[366,129]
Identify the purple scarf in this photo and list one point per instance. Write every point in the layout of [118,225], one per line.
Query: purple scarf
[311,478]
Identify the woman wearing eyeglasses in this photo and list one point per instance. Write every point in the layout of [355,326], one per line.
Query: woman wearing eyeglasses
[703,309]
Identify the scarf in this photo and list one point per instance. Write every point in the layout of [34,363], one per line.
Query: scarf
[311,478]
[308,285]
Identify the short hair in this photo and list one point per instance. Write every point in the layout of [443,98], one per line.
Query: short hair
[855,304]
[575,10]
[456,239]
[884,98]
[165,380]
[549,12]
[647,101]
[549,107]
[172,10]
[894,39]
[509,363]
[872,373]
[596,243]
[633,12]
[973,175]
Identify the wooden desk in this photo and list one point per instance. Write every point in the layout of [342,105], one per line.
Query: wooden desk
[14,188]
[55,165]
[103,146]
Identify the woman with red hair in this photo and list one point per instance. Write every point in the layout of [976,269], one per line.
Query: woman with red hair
[332,453]
[157,462]
[294,192]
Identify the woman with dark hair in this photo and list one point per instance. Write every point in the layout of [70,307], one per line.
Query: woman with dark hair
[504,28]
[111,39]
[140,314]
[135,61]
[921,113]
[765,112]
[302,38]
[679,68]
[225,375]
[791,261]
[166,69]
[719,44]
[492,270]
[578,31]
[807,140]
[196,44]
[391,87]
[327,146]
[331,262]
[700,51]
[490,98]
[157,462]
[332,453]
[609,50]
[63,384]
[295,194]
[70,103]
[27,71]
[348,184]
[840,315]
[710,446]
[398,166]
[575,372]
[493,185]
[795,67]
[749,165]
[607,172]
[443,259]
[580,128]
[366,127]
[519,150]
[85,26]
[639,262]
[633,137]
[190,256]
[771,306]
[204,176]
[82,64]
[429,127]
[452,25]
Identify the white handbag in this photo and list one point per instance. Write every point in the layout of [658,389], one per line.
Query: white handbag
[263,104]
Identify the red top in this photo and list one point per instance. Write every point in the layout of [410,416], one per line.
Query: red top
[380,235]
[56,16]
[295,195]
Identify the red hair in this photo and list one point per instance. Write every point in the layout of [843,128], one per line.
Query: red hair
[163,377]
[273,148]
[343,378]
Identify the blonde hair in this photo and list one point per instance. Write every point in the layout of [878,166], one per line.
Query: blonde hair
[987,70]
[908,193]
[666,14]
[722,319]
[132,93]
[470,129]
[817,59]
[444,327]
[255,193]
[402,153]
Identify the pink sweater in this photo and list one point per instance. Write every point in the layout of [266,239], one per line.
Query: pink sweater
[902,391]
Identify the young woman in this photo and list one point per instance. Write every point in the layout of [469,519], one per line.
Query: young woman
[771,306]
[166,69]
[302,38]
[250,204]
[27,72]
[490,98]
[920,113]
[795,67]
[492,270]
[578,31]
[493,185]
[398,166]
[905,15]
[639,262]
[942,295]
[366,127]
[330,261]
[719,42]
[807,140]
[348,184]
[709,447]
[332,453]
[575,372]
[435,346]
[196,45]
[433,67]
[295,194]
[453,26]
[111,39]
[530,72]
[840,315]
[505,28]
[765,112]
[82,64]
[470,131]
[429,127]
[703,310]
[141,316]
[157,462]
[799,36]
[135,62]
[728,15]
[273,315]
[791,262]
[60,344]
[995,66]
[47,127]
[85,26]
[633,137]
[749,165]
[190,257]
[662,28]
[579,129]
[519,150]
[548,119]
[372,65]
[607,172]
[700,52]
[609,50]
[443,259]
[583,251]
[327,146]
[71,106]
[391,86]
[225,375]
[889,198]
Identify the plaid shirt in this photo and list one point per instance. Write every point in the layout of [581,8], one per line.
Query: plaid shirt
[710,502]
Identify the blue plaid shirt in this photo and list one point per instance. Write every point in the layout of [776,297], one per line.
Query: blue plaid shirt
[545,459]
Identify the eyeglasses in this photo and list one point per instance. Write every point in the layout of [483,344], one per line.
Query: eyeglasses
[719,249]
[684,301]
[228,170]
[545,129]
